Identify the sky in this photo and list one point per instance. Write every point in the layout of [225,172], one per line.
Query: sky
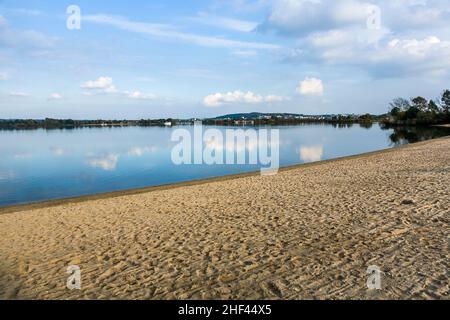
[92,59]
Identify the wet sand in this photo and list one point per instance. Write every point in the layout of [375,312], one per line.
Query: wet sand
[309,232]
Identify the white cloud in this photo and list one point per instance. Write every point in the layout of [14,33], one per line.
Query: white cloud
[410,37]
[300,17]
[311,153]
[169,32]
[225,23]
[3,76]
[107,163]
[311,86]
[140,96]
[55,96]
[394,56]
[102,84]
[411,56]
[19,94]
[414,48]
[218,99]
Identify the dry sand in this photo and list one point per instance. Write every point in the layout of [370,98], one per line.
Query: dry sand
[309,232]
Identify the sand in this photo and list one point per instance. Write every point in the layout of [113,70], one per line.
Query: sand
[307,233]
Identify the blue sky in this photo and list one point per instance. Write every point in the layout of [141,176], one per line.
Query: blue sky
[150,59]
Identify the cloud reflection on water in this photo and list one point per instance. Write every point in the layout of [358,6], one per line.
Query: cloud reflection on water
[107,163]
[311,153]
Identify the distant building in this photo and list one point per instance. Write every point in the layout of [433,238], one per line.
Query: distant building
[244,122]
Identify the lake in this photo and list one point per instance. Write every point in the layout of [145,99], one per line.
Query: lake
[38,165]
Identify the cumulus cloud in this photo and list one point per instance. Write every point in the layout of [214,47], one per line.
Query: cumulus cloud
[411,57]
[311,86]
[311,153]
[102,84]
[234,97]
[393,57]
[395,38]
[413,47]
[138,95]
[55,96]
[300,17]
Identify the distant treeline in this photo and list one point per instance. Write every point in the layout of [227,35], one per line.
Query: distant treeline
[420,111]
[29,124]
[25,124]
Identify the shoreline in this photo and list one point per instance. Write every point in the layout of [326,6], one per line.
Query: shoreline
[136,191]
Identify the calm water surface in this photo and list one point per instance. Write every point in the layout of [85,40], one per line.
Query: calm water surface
[39,165]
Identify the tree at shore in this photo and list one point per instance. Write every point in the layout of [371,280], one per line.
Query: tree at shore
[445,101]
[420,110]
[420,104]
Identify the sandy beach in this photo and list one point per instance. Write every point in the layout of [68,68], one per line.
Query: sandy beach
[309,232]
